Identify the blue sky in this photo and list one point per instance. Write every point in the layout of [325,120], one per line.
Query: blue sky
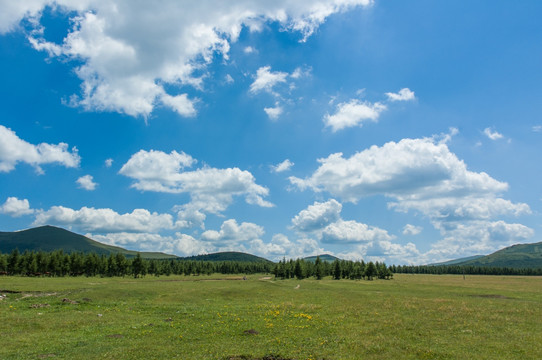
[408,132]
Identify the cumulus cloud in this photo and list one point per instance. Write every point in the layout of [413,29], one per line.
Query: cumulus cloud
[411,169]
[233,236]
[476,237]
[249,50]
[87,182]
[108,163]
[274,112]
[266,79]
[129,60]
[412,229]
[14,150]
[106,220]
[317,216]
[492,134]
[211,190]
[423,175]
[353,113]
[179,244]
[353,232]
[404,94]
[283,166]
[15,207]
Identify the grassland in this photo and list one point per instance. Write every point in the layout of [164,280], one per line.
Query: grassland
[410,317]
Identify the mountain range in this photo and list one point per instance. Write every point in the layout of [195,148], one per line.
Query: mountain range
[50,238]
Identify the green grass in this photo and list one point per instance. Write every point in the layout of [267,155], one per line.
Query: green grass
[410,317]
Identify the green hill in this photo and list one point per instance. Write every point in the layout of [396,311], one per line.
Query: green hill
[227,256]
[515,256]
[457,261]
[50,238]
[324,257]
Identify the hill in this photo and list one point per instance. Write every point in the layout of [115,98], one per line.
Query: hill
[50,238]
[519,256]
[457,261]
[227,256]
[323,257]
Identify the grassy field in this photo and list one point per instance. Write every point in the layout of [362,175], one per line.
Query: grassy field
[223,317]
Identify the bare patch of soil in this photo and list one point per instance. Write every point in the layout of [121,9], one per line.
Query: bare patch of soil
[248,357]
[251,332]
[39,306]
[492,296]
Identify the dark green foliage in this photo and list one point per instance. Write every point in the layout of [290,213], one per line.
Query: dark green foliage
[339,269]
[58,263]
[463,269]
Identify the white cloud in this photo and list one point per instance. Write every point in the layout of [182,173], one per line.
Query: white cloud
[14,150]
[317,216]
[283,166]
[493,135]
[229,79]
[424,176]
[179,244]
[249,50]
[403,95]
[353,113]
[105,220]
[412,169]
[353,232]
[126,54]
[273,112]
[233,236]
[537,128]
[87,182]
[108,163]
[266,79]
[211,190]
[385,250]
[15,207]
[476,238]
[412,229]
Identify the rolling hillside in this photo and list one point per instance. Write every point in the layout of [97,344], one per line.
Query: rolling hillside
[50,238]
[515,256]
[324,257]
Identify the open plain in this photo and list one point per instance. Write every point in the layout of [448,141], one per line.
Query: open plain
[225,317]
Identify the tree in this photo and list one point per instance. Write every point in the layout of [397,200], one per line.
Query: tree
[13,262]
[138,267]
[336,270]
[370,271]
[298,270]
[318,269]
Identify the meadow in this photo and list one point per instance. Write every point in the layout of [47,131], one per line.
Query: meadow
[225,317]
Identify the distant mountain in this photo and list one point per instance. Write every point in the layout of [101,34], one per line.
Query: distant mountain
[458,261]
[227,256]
[50,238]
[324,257]
[516,256]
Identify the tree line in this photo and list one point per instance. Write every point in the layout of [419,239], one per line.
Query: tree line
[338,269]
[58,263]
[465,270]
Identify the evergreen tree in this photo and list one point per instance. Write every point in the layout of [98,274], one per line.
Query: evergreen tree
[318,269]
[370,271]
[138,267]
[337,270]
[14,259]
